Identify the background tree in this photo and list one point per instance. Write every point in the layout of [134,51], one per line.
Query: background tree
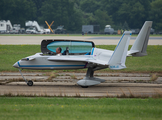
[156,14]
[60,11]
[75,13]
[133,12]
[38,5]
[90,6]
[76,19]
[102,18]
[112,7]
[17,11]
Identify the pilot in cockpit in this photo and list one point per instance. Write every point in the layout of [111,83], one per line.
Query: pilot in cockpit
[58,51]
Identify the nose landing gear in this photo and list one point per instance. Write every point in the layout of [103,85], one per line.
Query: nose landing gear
[29,83]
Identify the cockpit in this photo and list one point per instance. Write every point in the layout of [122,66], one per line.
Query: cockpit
[69,47]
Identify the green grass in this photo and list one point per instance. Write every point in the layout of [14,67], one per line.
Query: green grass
[19,108]
[9,54]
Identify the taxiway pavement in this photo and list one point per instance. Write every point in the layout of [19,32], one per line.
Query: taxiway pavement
[72,90]
[36,40]
[64,84]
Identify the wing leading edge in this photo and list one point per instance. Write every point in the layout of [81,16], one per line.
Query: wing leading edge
[80,58]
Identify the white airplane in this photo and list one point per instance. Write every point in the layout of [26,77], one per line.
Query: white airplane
[96,60]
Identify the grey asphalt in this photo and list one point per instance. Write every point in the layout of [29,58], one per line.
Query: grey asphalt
[117,38]
[64,84]
[72,90]
[36,40]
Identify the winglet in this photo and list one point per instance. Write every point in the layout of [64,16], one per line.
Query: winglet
[140,45]
[118,58]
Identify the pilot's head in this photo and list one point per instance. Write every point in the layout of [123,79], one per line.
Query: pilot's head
[58,50]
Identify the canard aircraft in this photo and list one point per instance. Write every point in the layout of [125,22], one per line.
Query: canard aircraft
[83,54]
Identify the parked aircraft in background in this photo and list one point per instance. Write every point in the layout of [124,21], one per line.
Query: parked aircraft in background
[83,54]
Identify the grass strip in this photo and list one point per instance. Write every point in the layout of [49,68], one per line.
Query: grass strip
[18,108]
[9,54]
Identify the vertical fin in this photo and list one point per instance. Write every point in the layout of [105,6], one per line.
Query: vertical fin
[140,45]
[118,58]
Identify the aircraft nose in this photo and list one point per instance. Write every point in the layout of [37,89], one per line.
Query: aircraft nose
[16,65]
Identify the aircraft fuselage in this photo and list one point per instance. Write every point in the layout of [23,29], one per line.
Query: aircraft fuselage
[40,62]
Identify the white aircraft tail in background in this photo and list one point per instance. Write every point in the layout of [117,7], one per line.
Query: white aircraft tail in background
[140,45]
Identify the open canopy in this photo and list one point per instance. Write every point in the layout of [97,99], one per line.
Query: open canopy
[75,46]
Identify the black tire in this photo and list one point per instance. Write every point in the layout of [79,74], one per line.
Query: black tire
[84,86]
[30,83]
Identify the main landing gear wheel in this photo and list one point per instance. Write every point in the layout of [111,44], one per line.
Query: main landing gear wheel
[30,83]
[84,86]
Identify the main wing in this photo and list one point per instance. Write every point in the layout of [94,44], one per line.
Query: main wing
[79,58]
[115,60]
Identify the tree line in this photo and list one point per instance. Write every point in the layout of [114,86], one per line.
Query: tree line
[75,13]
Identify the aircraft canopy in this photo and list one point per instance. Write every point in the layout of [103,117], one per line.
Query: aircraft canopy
[75,46]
